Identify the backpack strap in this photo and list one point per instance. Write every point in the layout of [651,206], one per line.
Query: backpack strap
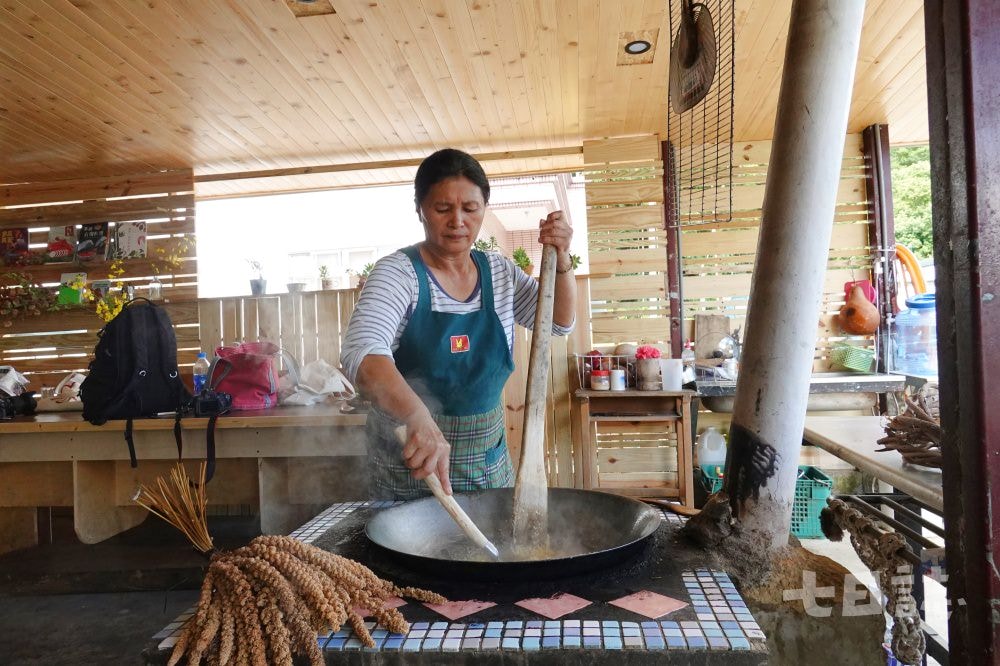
[131,444]
[210,448]
[177,434]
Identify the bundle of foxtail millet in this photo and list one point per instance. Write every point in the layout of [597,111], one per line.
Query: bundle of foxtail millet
[915,434]
[275,593]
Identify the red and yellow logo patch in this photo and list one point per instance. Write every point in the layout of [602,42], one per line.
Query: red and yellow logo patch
[459,344]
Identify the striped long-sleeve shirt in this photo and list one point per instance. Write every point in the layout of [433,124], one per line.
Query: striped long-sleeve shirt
[390,296]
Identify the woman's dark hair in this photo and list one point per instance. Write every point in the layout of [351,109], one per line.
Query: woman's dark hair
[444,164]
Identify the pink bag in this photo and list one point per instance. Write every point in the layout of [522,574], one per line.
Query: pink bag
[248,372]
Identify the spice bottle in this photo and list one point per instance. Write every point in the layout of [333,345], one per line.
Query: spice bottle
[618,379]
[600,380]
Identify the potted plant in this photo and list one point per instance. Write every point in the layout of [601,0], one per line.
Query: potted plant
[325,281]
[20,297]
[365,272]
[490,245]
[258,285]
[523,261]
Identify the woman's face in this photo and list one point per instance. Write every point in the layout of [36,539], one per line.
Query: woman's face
[452,213]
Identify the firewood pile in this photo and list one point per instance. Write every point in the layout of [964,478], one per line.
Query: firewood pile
[915,433]
[264,603]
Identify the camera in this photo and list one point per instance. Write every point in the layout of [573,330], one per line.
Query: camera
[17,405]
[211,403]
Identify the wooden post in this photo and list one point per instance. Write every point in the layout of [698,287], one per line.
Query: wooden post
[963,67]
[797,221]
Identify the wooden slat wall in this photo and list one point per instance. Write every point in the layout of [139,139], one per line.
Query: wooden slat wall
[627,241]
[60,342]
[309,325]
[718,258]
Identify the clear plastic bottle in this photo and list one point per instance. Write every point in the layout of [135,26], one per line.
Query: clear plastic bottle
[914,338]
[711,448]
[201,366]
[687,359]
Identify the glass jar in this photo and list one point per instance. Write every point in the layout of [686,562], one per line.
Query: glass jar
[618,379]
[600,380]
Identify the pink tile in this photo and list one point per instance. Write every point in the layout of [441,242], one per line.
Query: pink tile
[554,607]
[650,604]
[456,609]
[390,602]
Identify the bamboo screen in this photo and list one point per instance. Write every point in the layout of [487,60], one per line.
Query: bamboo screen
[55,343]
[627,241]
[718,257]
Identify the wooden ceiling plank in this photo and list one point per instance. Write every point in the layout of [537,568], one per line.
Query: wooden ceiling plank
[503,31]
[172,55]
[240,55]
[60,36]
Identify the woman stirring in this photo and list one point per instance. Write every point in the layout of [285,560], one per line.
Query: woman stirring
[430,342]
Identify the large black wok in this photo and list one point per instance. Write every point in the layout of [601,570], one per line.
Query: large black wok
[587,530]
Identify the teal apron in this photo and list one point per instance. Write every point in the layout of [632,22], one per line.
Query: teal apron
[458,365]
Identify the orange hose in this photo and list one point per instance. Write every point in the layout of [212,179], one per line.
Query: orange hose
[909,262]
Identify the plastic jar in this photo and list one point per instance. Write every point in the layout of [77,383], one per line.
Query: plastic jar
[618,379]
[600,380]
[711,448]
[914,338]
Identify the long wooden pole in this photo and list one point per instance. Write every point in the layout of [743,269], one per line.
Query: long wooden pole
[531,491]
[792,252]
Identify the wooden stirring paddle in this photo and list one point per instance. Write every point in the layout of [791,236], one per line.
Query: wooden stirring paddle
[531,491]
[451,505]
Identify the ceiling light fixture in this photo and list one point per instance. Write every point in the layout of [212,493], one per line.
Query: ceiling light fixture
[637,47]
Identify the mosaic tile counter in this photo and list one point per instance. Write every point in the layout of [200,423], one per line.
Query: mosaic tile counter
[659,606]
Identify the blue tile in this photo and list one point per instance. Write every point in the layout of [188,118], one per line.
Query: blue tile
[713,632]
[531,643]
[718,643]
[550,631]
[591,623]
[571,631]
[454,633]
[655,643]
[512,633]
[630,625]
[417,634]
[591,631]
[436,633]
[379,642]
[493,632]
[669,624]
[477,625]
[550,643]
[610,623]
[534,624]
[534,632]
[379,633]
[392,644]
[342,633]
[515,624]
[697,642]
[439,625]
[451,645]
[420,626]
[592,641]
[511,644]
[734,633]
[552,624]
[412,644]
[676,643]
[491,643]
[494,625]
[470,644]
[335,644]
[572,641]
[612,643]
[672,632]
[755,633]
[740,643]
[630,631]
[432,644]
[571,623]
[474,632]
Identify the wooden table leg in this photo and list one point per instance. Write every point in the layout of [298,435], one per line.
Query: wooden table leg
[278,514]
[96,514]
[685,454]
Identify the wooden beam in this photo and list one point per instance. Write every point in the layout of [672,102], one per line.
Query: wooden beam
[383,164]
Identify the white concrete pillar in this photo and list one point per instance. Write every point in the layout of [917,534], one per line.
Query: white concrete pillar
[785,297]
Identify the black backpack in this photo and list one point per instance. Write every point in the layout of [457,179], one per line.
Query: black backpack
[134,372]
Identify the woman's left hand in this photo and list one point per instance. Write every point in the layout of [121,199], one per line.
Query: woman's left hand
[555,230]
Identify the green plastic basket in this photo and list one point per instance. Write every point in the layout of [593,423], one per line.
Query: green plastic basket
[812,489]
[850,357]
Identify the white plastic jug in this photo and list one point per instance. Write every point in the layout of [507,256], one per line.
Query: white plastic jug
[711,449]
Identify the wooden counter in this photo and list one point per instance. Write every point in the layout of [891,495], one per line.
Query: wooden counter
[287,461]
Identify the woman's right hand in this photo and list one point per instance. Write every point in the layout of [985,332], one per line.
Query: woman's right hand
[426,451]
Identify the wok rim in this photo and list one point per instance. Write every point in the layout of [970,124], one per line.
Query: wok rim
[624,547]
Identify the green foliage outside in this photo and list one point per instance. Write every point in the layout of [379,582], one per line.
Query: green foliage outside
[911,198]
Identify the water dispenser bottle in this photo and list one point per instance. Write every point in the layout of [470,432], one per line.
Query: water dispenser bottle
[711,449]
[914,338]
